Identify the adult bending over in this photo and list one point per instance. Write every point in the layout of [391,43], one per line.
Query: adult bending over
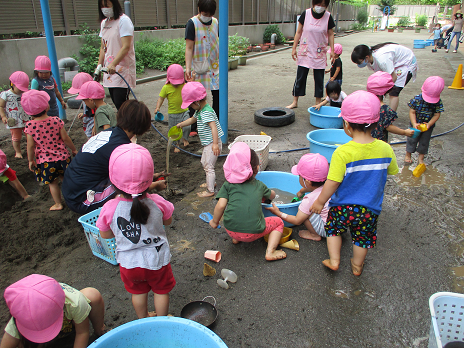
[399,61]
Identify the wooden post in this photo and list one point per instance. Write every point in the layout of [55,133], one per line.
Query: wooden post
[168,14]
[65,18]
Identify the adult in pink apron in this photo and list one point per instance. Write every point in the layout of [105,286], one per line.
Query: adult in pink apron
[117,52]
[314,35]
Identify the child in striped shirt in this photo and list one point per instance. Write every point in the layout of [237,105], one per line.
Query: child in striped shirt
[209,131]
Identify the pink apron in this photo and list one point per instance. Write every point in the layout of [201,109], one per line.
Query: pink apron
[112,44]
[313,42]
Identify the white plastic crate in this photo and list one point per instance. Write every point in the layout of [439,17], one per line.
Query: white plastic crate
[258,143]
[447,311]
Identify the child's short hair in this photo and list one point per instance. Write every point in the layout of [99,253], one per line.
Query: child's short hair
[363,127]
[40,114]
[207,6]
[318,183]
[333,87]
[134,116]
[254,162]
[438,24]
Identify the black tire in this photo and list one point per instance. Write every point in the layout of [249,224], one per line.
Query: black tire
[73,103]
[274,117]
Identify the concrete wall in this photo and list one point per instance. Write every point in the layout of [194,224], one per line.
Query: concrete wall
[20,54]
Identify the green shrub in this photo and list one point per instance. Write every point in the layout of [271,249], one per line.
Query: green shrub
[159,54]
[404,21]
[273,29]
[89,51]
[238,45]
[66,85]
[358,26]
[421,20]
[362,17]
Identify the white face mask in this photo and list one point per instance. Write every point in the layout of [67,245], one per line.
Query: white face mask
[108,12]
[205,19]
[319,9]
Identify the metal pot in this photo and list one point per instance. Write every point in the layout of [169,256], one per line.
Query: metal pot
[202,312]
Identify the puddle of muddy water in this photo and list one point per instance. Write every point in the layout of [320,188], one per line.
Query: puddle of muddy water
[430,177]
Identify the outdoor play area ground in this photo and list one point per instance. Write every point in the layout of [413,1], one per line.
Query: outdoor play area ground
[296,302]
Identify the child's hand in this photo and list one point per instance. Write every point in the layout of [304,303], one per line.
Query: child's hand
[32,166]
[216,150]
[63,104]
[274,210]
[74,152]
[300,194]
[408,132]
[160,185]
[161,174]
[80,116]
[332,79]
[179,125]
[317,107]
[156,111]
[327,71]
[316,208]
[213,224]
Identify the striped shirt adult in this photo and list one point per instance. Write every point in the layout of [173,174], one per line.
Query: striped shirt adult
[204,117]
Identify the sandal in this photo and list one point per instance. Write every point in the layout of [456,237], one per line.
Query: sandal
[357,270]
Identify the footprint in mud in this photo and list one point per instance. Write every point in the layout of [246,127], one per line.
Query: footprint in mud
[183,245]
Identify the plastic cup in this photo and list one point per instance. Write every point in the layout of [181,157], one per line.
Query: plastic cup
[159,117]
[213,255]
[175,133]
[416,132]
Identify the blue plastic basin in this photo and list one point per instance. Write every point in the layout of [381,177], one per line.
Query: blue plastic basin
[429,42]
[160,332]
[420,44]
[325,117]
[323,141]
[285,182]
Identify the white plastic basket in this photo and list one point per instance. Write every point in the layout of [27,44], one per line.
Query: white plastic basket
[447,311]
[258,143]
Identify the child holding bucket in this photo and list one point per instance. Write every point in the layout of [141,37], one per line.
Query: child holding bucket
[380,83]
[360,163]
[87,116]
[239,200]
[8,174]
[136,218]
[209,131]
[172,90]
[425,109]
[335,95]
[43,310]
[312,170]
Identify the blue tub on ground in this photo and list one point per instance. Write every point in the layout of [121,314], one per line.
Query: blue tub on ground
[160,332]
[420,43]
[285,182]
[325,141]
[325,117]
[429,42]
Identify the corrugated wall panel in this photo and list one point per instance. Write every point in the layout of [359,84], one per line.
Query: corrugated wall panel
[146,14]
[263,15]
[249,13]
[184,11]
[9,21]
[87,12]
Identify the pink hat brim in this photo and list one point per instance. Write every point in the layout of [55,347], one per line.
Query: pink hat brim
[42,336]
[185,105]
[429,99]
[175,81]
[295,170]
[73,90]
[81,97]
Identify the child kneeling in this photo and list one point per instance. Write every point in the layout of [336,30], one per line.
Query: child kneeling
[239,200]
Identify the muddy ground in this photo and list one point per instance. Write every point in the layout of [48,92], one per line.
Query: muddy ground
[295,302]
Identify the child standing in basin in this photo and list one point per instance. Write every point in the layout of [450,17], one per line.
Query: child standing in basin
[363,162]
[312,170]
[239,200]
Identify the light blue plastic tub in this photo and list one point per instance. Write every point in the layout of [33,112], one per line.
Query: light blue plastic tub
[325,117]
[324,141]
[160,332]
[285,182]
[429,42]
[420,44]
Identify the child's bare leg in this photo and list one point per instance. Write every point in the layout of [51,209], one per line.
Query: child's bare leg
[176,150]
[407,158]
[140,303]
[310,233]
[357,262]
[293,105]
[17,148]
[161,304]
[394,101]
[421,157]
[235,241]
[56,195]
[16,184]
[97,313]
[334,245]
[271,253]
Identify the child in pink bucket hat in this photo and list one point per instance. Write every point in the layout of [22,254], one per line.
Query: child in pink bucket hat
[172,90]
[136,218]
[87,116]
[43,309]
[93,93]
[312,170]
[11,111]
[380,83]
[336,73]
[426,109]
[239,200]
[8,174]
[356,182]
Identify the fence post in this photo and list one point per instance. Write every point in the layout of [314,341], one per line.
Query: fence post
[223,68]
[168,13]
[65,17]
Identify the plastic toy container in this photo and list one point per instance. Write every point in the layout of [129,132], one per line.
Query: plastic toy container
[429,42]
[175,133]
[416,132]
[420,44]
[325,141]
[160,332]
[325,117]
[258,143]
[447,312]
[102,248]
[283,181]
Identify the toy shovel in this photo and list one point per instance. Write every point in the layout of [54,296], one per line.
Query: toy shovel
[207,217]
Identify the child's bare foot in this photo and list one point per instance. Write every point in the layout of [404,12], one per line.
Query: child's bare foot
[18,155]
[275,255]
[205,194]
[152,314]
[176,150]
[235,241]
[332,265]
[186,143]
[56,206]
[407,158]
[306,234]
[26,197]
[292,106]
[357,270]
[205,185]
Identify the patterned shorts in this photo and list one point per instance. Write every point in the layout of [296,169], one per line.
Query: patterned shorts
[47,172]
[361,221]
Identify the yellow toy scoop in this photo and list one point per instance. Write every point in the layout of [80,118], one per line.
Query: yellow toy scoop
[419,170]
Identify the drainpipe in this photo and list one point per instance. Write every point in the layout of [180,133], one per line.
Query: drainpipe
[273,38]
[223,67]
[68,62]
[127,9]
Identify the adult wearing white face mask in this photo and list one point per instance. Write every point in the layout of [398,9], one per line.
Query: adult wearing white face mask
[314,35]
[399,61]
[117,52]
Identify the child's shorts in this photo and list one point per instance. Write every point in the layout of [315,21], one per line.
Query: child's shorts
[8,174]
[140,280]
[361,221]
[16,133]
[47,172]
[318,224]
[273,223]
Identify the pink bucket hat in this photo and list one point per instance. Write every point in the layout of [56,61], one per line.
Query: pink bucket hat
[34,102]
[20,80]
[379,83]
[42,63]
[91,90]
[2,161]
[432,88]
[131,168]
[36,302]
[313,167]
[361,107]
[237,167]
[175,75]
[192,92]
[78,81]
[338,49]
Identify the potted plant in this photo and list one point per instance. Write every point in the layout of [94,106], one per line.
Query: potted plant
[391,29]
[421,21]
[403,22]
